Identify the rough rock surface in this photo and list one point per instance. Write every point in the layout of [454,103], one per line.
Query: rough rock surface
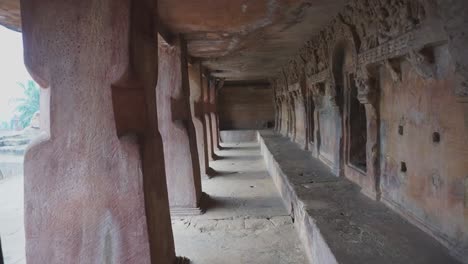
[336,222]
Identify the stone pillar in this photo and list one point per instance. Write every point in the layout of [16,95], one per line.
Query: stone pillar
[300,124]
[95,187]
[292,117]
[208,122]
[317,99]
[214,118]
[178,131]
[277,103]
[198,117]
[284,115]
[368,95]
[218,131]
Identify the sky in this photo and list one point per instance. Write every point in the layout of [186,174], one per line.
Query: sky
[12,71]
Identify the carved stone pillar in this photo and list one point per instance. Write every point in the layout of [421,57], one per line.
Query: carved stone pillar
[300,129]
[317,99]
[177,131]
[207,116]
[292,117]
[278,112]
[284,115]
[214,118]
[198,117]
[95,187]
[368,95]
[218,131]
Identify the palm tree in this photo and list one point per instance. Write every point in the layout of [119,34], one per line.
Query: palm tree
[28,105]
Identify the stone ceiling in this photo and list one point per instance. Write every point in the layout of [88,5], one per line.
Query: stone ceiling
[10,14]
[246,40]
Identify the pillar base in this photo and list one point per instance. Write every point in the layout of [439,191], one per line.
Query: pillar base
[191,211]
[210,173]
[182,260]
[186,211]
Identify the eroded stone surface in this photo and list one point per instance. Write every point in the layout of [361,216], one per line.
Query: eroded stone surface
[373,83]
[336,222]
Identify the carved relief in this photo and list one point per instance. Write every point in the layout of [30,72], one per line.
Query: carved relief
[376,22]
[423,63]
[293,71]
[365,84]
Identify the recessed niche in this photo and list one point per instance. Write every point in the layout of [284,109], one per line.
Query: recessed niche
[436,137]
[400,130]
[403,167]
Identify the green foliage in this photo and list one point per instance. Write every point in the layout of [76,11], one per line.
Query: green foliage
[28,105]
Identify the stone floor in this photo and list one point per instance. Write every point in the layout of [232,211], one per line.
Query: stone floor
[246,221]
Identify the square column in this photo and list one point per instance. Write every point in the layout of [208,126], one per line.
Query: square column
[178,131]
[197,107]
[95,186]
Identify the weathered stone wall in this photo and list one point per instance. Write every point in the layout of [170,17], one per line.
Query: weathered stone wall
[245,107]
[398,66]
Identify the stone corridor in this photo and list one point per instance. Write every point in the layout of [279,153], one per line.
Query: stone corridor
[140,99]
[245,222]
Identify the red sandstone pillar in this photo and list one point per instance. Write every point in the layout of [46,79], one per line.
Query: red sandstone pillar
[198,116]
[214,118]
[178,131]
[208,122]
[95,188]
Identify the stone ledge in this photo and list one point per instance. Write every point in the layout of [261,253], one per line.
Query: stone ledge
[179,211]
[191,211]
[335,221]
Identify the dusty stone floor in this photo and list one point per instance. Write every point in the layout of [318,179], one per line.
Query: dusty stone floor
[245,222]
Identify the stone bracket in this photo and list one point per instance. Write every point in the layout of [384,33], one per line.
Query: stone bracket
[129,105]
[179,110]
[199,109]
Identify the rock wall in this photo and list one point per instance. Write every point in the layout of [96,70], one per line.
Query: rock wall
[244,107]
[385,105]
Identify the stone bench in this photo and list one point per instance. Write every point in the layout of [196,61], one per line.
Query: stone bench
[335,221]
